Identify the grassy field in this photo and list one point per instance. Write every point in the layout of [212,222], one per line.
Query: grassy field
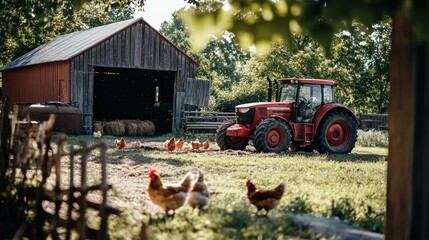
[350,187]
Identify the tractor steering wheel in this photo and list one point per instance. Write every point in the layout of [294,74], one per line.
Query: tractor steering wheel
[303,99]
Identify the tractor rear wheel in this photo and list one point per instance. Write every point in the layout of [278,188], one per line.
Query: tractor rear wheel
[225,142]
[272,135]
[337,133]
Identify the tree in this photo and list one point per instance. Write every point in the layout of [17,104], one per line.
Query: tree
[360,56]
[27,24]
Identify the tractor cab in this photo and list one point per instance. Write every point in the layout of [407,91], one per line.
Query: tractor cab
[306,96]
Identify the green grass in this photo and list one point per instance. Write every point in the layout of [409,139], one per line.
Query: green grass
[350,187]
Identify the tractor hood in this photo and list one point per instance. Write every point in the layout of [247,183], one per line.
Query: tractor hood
[283,106]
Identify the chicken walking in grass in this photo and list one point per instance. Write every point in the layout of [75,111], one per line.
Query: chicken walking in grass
[120,144]
[196,144]
[265,199]
[206,144]
[198,196]
[186,147]
[180,143]
[97,134]
[170,144]
[168,196]
[136,144]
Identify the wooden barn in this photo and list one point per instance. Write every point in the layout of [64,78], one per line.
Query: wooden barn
[124,70]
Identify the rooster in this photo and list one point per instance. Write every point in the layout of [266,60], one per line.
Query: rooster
[206,144]
[265,199]
[199,193]
[195,144]
[179,143]
[170,145]
[120,144]
[96,134]
[171,196]
[136,144]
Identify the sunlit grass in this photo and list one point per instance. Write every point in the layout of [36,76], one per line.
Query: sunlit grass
[350,187]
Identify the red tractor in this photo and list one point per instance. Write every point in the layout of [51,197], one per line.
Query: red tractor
[303,118]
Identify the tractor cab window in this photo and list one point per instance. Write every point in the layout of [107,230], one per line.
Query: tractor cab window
[309,100]
[328,94]
[288,93]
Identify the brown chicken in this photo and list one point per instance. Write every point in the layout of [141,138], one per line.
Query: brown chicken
[168,196]
[120,144]
[206,144]
[179,143]
[265,199]
[199,194]
[170,145]
[196,144]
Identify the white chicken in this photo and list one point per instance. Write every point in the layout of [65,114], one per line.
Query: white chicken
[97,134]
[136,144]
[186,147]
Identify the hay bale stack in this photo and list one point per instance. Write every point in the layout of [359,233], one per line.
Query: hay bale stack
[146,128]
[115,128]
[98,126]
[131,129]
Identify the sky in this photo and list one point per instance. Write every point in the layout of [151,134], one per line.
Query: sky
[158,11]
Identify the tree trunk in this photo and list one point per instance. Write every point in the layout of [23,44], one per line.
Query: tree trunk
[408,169]
[400,131]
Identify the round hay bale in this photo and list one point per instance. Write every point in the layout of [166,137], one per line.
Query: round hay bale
[98,126]
[132,129]
[149,128]
[115,128]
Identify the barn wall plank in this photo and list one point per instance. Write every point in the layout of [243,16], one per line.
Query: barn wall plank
[138,45]
[132,44]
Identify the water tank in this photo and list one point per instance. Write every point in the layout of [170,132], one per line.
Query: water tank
[68,118]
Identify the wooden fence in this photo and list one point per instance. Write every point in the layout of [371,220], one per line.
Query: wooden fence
[32,208]
[372,121]
[205,122]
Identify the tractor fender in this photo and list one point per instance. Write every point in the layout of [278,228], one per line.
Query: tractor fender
[321,113]
[284,120]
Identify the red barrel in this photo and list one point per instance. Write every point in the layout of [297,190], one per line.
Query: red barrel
[68,118]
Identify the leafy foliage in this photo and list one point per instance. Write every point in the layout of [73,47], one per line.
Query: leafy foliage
[31,23]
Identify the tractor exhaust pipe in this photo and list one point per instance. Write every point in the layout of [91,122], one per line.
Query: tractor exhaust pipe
[270,90]
[277,90]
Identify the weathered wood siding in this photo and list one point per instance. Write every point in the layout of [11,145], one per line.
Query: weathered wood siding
[197,92]
[138,46]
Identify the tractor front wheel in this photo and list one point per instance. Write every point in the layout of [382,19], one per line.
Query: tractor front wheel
[337,133]
[225,142]
[272,135]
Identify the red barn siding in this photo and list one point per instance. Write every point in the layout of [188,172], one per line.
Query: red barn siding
[38,83]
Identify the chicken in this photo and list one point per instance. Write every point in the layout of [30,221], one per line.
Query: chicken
[196,144]
[265,199]
[97,134]
[136,144]
[186,147]
[199,194]
[170,145]
[179,143]
[120,144]
[206,144]
[171,196]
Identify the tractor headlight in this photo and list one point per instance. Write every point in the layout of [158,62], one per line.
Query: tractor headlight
[243,110]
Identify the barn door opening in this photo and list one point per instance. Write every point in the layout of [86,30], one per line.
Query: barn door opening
[123,94]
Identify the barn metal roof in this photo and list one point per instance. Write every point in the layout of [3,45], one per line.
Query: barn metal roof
[67,46]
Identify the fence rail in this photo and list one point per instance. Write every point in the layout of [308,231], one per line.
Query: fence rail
[205,121]
[372,121]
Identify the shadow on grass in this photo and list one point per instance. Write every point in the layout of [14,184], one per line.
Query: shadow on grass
[356,157]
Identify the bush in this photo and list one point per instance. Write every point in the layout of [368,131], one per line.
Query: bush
[372,138]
